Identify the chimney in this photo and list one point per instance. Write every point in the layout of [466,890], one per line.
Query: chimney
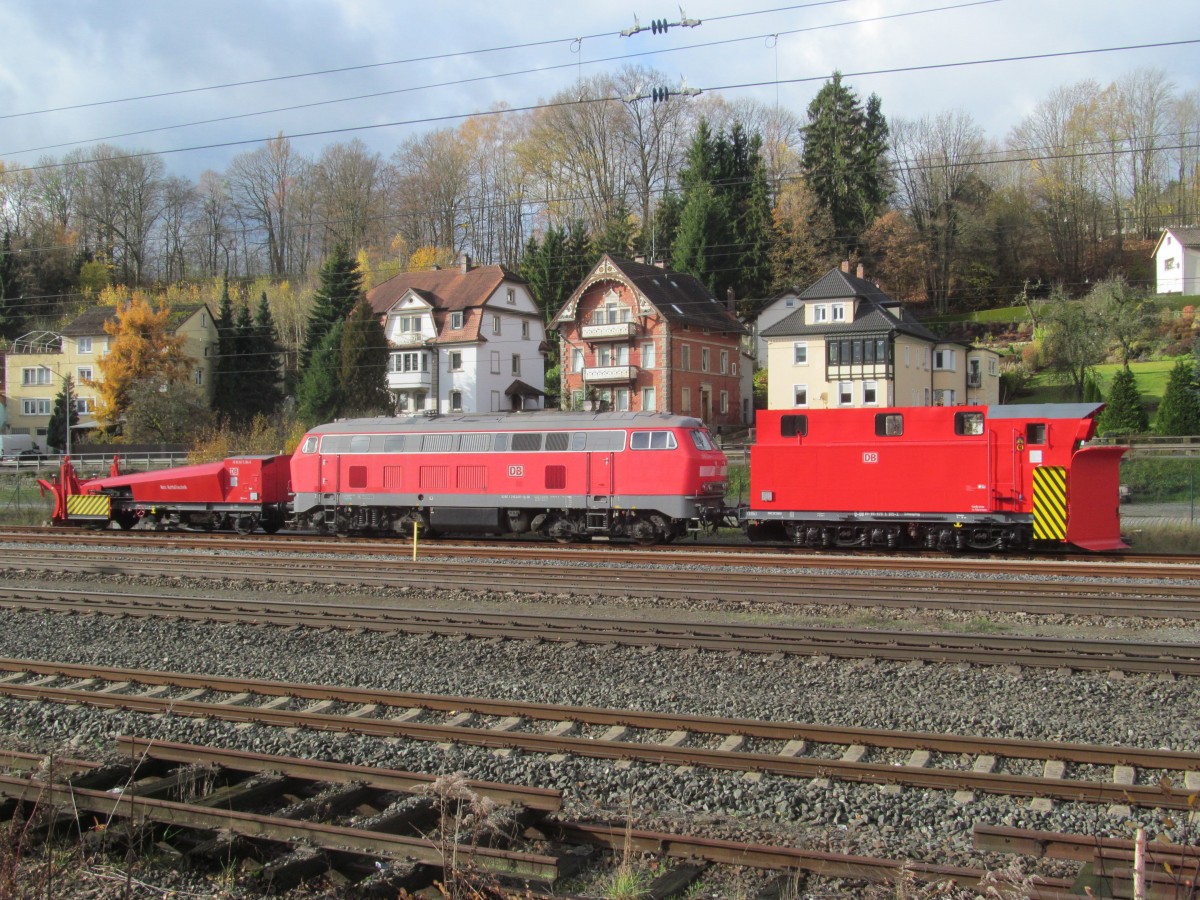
[846,266]
[661,263]
[860,270]
[730,301]
[464,262]
[639,258]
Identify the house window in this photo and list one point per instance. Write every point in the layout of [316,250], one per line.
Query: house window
[576,360]
[845,393]
[800,395]
[516,363]
[85,405]
[1169,263]
[703,359]
[199,376]
[456,320]
[943,360]
[925,359]
[36,375]
[789,302]
[648,356]
[991,367]
[410,361]
[577,399]
[418,399]
[724,402]
[733,369]
[800,354]
[495,401]
[685,400]
[685,357]
[613,355]
[724,362]
[511,297]
[83,373]
[35,407]
[410,324]
[839,312]
[821,313]
[870,393]
[495,323]
[649,401]
[907,360]
[832,352]
[495,362]
[455,361]
[84,344]
[456,401]
[524,329]
[621,399]
[402,401]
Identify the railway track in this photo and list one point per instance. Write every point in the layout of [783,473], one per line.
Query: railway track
[1121,565]
[966,765]
[1148,598]
[382,815]
[1175,659]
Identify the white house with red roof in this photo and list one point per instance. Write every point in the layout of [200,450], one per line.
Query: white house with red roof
[467,339]
[1177,261]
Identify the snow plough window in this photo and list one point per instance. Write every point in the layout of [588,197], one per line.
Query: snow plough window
[889,425]
[793,426]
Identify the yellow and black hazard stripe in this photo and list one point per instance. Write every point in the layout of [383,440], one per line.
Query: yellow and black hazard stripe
[89,506]
[1050,503]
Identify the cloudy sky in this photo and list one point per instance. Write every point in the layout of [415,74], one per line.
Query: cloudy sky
[233,72]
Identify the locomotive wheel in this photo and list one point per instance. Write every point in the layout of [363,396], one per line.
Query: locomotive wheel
[271,526]
[245,524]
[125,521]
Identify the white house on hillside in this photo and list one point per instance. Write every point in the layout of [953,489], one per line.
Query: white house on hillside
[1177,261]
[467,339]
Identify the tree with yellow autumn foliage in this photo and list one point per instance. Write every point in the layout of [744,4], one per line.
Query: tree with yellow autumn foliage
[141,348]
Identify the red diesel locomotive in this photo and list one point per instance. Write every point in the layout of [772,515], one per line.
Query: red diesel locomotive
[643,476]
[945,478]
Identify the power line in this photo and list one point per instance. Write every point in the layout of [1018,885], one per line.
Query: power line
[490,77]
[396,62]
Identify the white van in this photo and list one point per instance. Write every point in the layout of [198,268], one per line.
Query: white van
[15,446]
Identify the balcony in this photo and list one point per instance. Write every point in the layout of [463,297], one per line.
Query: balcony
[609,331]
[407,381]
[602,374]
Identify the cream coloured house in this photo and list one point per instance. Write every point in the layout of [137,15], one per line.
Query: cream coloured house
[845,343]
[39,362]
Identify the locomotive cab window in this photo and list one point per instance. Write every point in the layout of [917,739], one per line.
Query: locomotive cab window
[310,445]
[1035,432]
[652,440]
[968,423]
[700,439]
[793,426]
[889,425]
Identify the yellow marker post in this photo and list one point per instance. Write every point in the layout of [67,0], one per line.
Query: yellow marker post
[414,541]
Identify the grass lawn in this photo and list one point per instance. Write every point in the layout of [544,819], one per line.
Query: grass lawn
[1049,387]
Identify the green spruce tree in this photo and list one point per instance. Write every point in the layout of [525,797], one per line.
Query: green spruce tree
[12,316]
[364,359]
[1179,411]
[63,416]
[227,390]
[1124,413]
[339,290]
[264,358]
[723,235]
[844,160]
[319,393]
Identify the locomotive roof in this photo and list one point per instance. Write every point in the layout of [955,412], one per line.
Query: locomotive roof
[523,421]
[1044,410]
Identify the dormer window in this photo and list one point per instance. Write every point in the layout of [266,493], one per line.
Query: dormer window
[410,324]
[839,312]
[820,313]
[456,320]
